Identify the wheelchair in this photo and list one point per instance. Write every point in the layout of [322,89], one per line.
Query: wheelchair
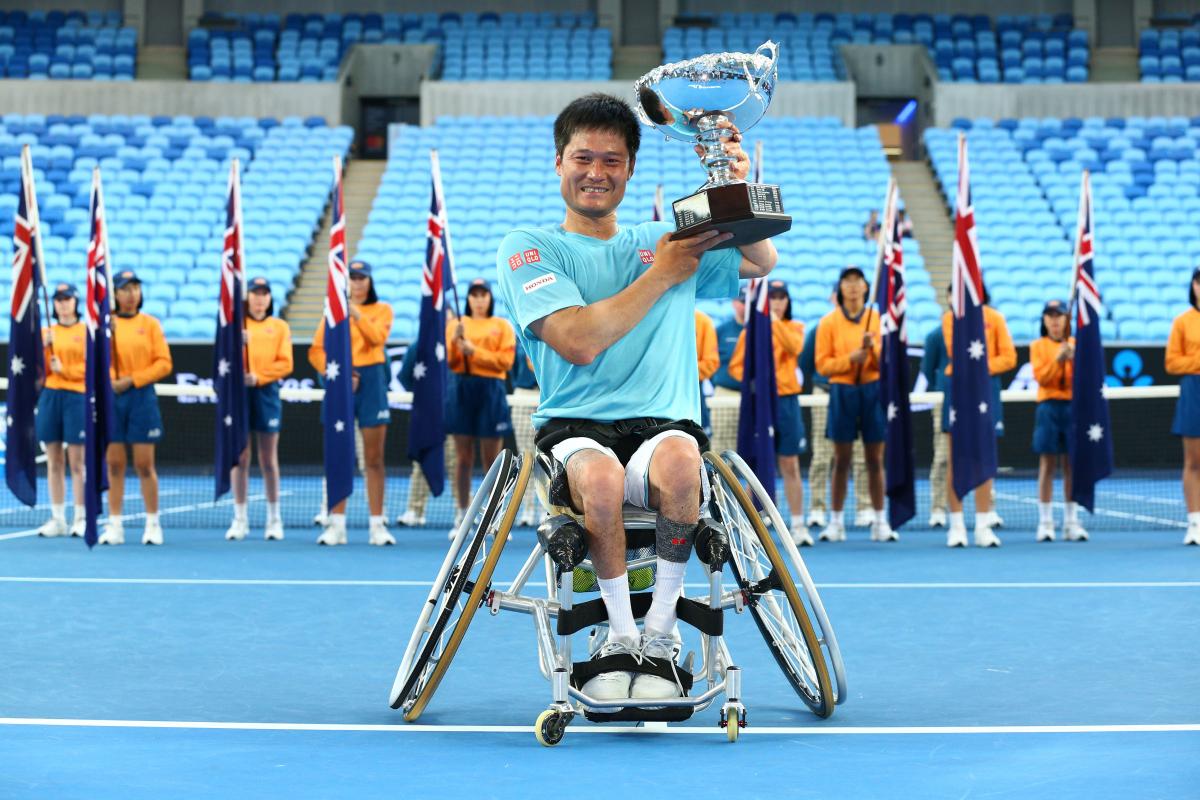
[741,530]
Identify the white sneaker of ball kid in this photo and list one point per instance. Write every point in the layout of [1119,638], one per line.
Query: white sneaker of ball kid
[956,536]
[152,533]
[863,517]
[410,519]
[1193,535]
[834,532]
[237,530]
[274,530]
[458,518]
[114,533]
[333,535]
[802,537]
[937,518]
[53,527]
[79,526]
[816,518]
[1045,532]
[1074,532]
[378,535]
[985,537]
[881,531]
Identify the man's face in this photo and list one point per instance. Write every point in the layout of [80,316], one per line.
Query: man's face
[594,167]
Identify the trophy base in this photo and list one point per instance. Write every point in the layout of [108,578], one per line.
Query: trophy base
[750,211]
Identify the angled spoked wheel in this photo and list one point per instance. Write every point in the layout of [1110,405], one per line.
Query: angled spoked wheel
[771,594]
[461,585]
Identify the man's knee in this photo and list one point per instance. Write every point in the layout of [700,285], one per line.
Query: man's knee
[597,482]
[675,467]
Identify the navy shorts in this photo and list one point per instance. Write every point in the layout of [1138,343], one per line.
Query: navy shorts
[266,409]
[1052,427]
[855,409]
[477,406]
[136,418]
[370,401]
[60,416]
[1187,409]
[791,439]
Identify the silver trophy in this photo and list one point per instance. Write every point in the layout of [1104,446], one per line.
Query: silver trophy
[688,100]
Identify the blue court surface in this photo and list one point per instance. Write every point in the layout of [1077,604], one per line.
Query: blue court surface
[262,669]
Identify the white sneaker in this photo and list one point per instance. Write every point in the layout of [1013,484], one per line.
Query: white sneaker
[611,685]
[956,536]
[152,533]
[937,518]
[333,535]
[816,518]
[994,520]
[985,537]
[378,535]
[410,519]
[863,517]
[79,527]
[274,531]
[458,518]
[237,531]
[652,687]
[114,533]
[1045,532]
[1074,532]
[1193,535]
[53,527]
[801,537]
[834,532]
[881,531]
[321,519]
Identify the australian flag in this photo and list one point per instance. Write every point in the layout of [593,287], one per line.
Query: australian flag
[26,364]
[1091,449]
[893,388]
[759,406]
[338,410]
[972,430]
[427,424]
[228,361]
[99,393]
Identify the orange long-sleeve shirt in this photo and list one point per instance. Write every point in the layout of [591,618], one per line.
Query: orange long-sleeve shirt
[838,337]
[706,346]
[70,345]
[140,350]
[1002,353]
[495,345]
[1053,377]
[787,340]
[1183,345]
[269,347]
[368,336]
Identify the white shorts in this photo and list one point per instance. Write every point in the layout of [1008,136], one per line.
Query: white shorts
[637,471]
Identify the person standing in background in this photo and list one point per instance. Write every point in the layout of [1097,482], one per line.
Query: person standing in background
[724,420]
[934,364]
[708,359]
[1183,359]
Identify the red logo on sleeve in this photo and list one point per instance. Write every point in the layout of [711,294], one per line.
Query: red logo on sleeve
[514,261]
[647,256]
[532,256]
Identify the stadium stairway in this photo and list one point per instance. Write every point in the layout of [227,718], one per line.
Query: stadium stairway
[162,63]
[1115,64]
[932,226]
[360,183]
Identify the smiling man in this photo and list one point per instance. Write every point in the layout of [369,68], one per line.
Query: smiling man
[606,314]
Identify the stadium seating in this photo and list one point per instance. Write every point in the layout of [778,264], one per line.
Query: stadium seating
[1170,55]
[165,183]
[64,45]
[848,164]
[1025,178]
[473,46]
[1015,49]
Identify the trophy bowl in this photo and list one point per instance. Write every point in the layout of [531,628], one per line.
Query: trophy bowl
[688,101]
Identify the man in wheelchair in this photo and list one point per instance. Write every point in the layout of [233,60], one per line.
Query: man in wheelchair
[606,314]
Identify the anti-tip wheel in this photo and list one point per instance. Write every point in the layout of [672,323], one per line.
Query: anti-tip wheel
[550,727]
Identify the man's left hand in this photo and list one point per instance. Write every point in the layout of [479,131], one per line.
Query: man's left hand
[739,164]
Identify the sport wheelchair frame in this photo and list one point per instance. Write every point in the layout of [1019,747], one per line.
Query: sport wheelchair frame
[762,583]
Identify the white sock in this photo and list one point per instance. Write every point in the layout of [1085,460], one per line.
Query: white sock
[80,513]
[668,584]
[615,594]
[240,514]
[1046,513]
[115,521]
[152,519]
[797,522]
[1072,514]
[956,520]
[836,519]
[1194,518]
[377,520]
[272,511]
[880,516]
[337,520]
[58,511]
[983,519]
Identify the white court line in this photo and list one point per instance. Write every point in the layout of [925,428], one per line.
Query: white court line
[527,729]
[702,586]
[18,534]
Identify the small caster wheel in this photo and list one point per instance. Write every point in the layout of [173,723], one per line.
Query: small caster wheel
[732,719]
[550,727]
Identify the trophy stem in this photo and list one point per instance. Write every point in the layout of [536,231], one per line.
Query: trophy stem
[712,139]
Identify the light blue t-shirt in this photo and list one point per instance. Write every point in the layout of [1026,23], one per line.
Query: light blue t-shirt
[651,371]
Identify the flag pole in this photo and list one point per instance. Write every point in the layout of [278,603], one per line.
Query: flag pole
[239,249]
[1084,208]
[114,306]
[437,179]
[35,222]
[885,229]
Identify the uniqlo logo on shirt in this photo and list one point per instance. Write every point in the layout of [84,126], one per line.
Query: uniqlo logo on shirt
[514,261]
[532,256]
[647,256]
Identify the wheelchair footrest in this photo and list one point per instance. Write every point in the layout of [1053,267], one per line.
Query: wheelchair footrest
[584,671]
[585,615]
[678,714]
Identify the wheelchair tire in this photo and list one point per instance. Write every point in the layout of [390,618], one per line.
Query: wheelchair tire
[798,653]
[417,681]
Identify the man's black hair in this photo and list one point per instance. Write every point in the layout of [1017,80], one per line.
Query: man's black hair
[598,111]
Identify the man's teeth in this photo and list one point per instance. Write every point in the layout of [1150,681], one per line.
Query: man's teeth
[595,189]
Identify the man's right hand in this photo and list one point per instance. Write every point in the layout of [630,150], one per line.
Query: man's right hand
[678,260]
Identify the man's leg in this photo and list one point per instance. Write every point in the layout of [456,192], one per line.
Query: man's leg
[674,480]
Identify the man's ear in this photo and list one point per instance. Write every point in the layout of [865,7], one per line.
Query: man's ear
[558,164]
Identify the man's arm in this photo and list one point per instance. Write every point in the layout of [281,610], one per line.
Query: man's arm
[581,333]
[758,259]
